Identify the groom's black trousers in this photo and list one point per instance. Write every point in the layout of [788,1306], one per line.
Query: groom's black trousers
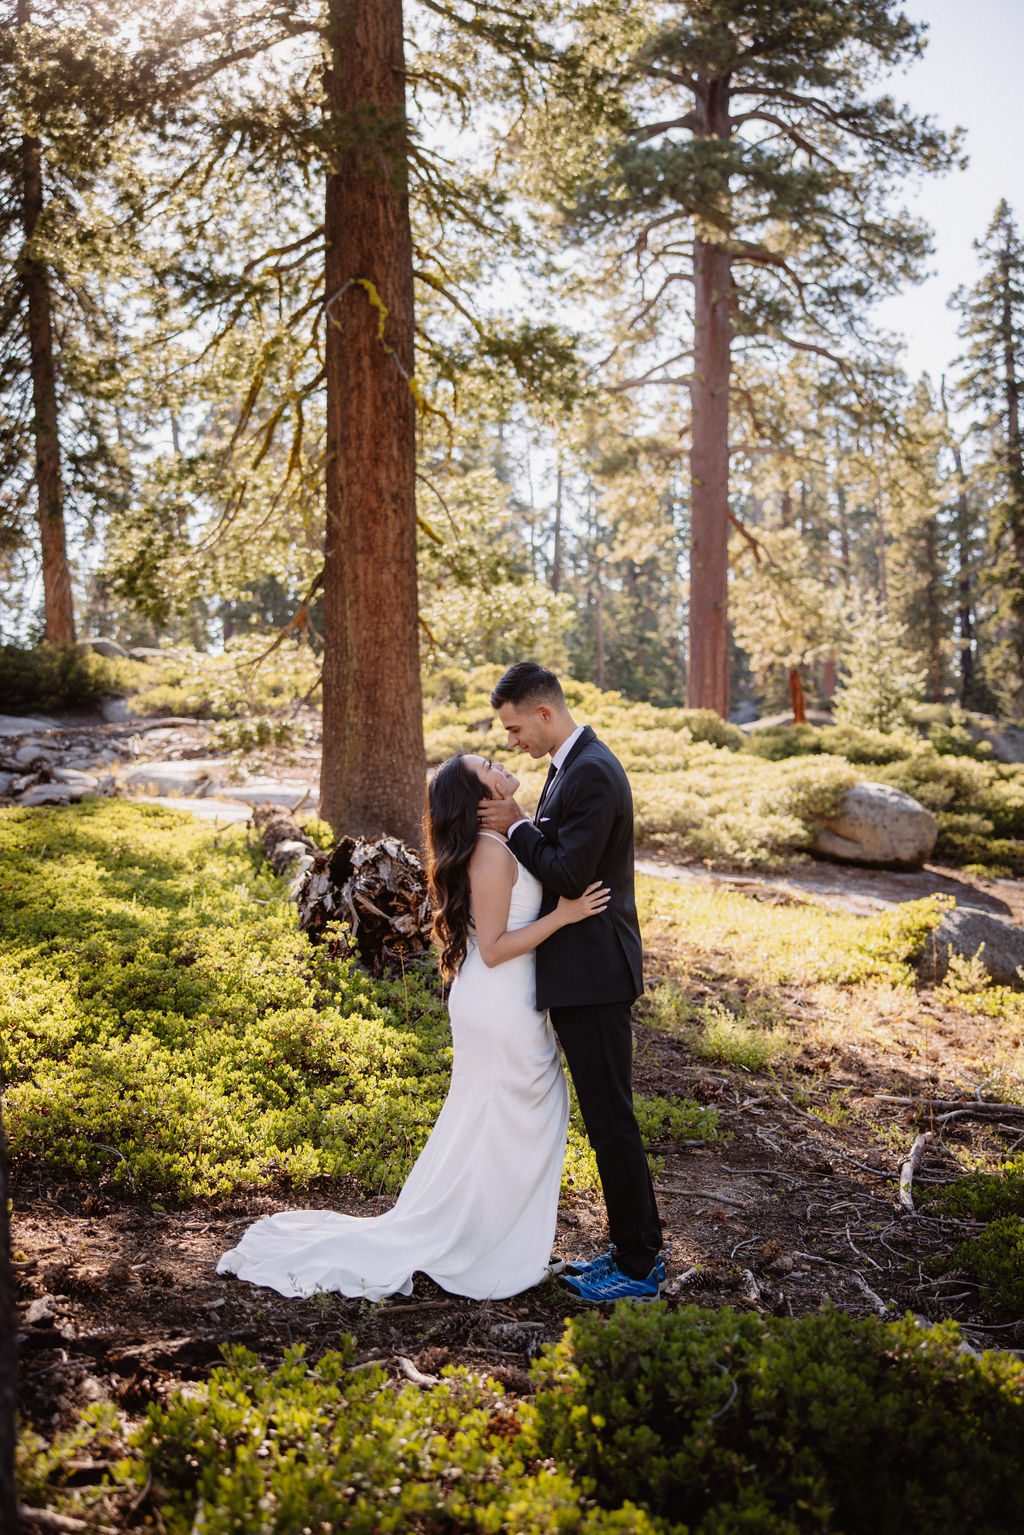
[598,1046]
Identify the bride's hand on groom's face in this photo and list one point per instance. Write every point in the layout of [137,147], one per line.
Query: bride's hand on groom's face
[498,814]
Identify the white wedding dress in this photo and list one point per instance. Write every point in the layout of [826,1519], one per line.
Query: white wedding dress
[477,1213]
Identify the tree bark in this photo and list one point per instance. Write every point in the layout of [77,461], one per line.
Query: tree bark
[796,697]
[556,556]
[374,765]
[707,681]
[58,611]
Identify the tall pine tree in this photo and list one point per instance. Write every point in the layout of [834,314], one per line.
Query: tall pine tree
[991,378]
[745,156]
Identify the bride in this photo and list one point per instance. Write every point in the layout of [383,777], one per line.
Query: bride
[477,1213]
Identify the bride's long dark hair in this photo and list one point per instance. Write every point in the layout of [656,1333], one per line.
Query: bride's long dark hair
[451,824]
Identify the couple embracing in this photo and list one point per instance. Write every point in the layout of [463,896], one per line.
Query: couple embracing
[536,922]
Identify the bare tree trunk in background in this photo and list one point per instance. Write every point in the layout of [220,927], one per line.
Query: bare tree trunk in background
[599,665]
[374,766]
[58,611]
[8,1341]
[796,697]
[707,677]
[556,558]
[707,680]
[935,626]
[964,582]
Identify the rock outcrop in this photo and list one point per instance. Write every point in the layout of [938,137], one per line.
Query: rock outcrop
[996,942]
[878,825]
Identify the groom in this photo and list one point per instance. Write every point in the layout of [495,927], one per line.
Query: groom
[588,974]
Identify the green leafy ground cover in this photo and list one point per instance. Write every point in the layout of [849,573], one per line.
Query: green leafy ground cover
[651,1422]
[703,790]
[166,1026]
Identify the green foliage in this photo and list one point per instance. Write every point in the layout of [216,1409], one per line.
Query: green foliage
[764,945]
[983,1196]
[881,678]
[995,1260]
[165,1023]
[648,1422]
[865,746]
[324,1447]
[776,742]
[675,1119]
[706,725]
[719,1423]
[60,677]
[726,1037]
[228,684]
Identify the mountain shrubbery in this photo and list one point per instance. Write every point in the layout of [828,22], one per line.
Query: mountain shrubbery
[650,1422]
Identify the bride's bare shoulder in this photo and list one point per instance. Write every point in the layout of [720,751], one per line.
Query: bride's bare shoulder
[493,858]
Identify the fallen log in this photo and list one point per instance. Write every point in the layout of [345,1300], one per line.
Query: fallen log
[980,1106]
[285,842]
[909,1168]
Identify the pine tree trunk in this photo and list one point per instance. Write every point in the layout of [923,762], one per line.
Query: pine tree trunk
[8,1340]
[935,626]
[374,766]
[58,611]
[599,665]
[964,594]
[707,681]
[707,677]
[556,557]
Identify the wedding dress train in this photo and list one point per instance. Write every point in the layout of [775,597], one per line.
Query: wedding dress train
[477,1213]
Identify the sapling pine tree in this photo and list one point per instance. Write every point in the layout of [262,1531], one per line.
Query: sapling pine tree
[991,378]
[881,679]
[919,556]
[744,154]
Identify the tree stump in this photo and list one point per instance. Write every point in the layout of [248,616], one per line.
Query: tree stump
[376,888]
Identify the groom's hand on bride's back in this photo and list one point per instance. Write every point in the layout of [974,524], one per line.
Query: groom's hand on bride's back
[498,814]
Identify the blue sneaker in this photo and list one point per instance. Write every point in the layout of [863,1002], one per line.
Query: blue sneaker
[611,1284]
[591,1268]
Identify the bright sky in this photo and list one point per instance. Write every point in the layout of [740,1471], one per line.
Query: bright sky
[970,76]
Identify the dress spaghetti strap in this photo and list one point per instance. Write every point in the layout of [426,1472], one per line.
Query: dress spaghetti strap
[504,842]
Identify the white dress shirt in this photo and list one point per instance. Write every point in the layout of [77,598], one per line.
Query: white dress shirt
[557,762]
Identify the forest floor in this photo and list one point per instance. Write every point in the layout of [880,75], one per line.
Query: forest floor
[794,1205]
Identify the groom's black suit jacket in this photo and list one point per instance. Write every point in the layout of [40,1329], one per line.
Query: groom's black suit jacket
[584,831]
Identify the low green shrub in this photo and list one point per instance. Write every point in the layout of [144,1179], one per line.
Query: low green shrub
[706,725]
[719,1423]
[322,1447]
[165,1025]
[234,683]
[995,1260]
[650,1422]
[164,1022]
[776,742]
[59,677]
[866,746]
[982,1196]
[675,1119]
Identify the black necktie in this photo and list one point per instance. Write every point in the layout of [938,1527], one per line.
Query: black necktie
[549,780]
